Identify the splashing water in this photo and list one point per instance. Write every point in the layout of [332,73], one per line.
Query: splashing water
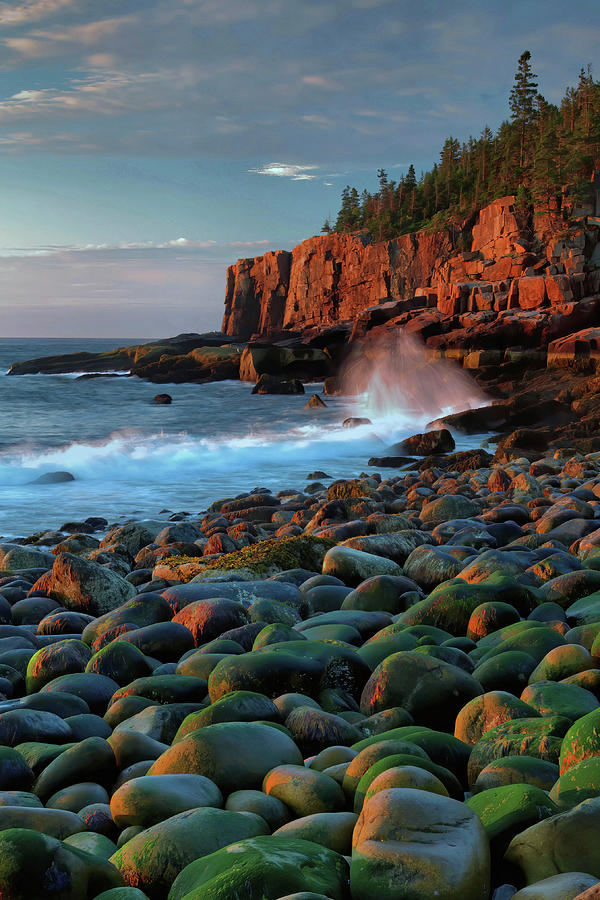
[400,385]
[131,457]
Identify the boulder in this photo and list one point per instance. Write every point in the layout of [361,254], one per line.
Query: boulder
[430,442]
[87,587]
[442,844]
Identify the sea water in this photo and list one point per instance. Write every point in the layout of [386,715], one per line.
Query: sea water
[132,458]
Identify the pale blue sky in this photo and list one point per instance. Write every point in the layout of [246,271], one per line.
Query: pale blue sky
[145,145]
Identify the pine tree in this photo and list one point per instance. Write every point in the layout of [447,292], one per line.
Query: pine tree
[532,156]
[522,100]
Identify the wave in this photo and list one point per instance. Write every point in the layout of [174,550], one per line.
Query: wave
[109,372]
[157,458]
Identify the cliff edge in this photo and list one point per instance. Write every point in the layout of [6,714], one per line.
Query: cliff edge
[499,261]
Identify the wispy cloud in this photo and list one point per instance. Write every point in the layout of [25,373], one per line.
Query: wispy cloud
[41,43]
[320,81]
[321,121]
[286,170]
[22,13]
[179,244]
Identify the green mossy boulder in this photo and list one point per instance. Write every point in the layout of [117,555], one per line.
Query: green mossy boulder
[552,698]
[120,661]
[328,829]
[273,811]
[35,865]
[578,783]
[507,671]
[561,662]
[540,737]
[399,760]
[148,800]
[91,842]
[489,617]
[238,706]
[90,759]
[487,711]
[367,756]
[507,810]
[153,859]
[234,755]
[431,690]
[517,770]
[354,566]
[567,842]
[313,730]
[165,689]
[304,791]
[264,868]
[581,741]
[442,844]
[414,777]
[60,658]
[382,593]
[76,796]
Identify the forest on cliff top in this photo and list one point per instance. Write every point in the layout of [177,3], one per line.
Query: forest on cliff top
[544,154]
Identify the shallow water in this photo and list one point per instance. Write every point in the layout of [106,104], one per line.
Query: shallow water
[133,458]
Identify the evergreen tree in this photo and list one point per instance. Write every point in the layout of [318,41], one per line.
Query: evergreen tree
[522,102]
[532,156]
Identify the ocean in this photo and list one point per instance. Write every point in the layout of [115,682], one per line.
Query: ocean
[132,458]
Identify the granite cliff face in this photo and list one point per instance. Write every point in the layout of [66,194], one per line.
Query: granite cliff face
[497,265]
[326,280]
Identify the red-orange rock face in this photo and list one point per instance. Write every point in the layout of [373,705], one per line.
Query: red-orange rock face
[511,267]
[256,294]
[330,279]
[497,232]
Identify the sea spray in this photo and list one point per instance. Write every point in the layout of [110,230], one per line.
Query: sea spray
[399,385]
[131,457]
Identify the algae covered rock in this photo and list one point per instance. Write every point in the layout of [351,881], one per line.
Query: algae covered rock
[233,755]
[567,842]
[354,566]
[152,859]
[262,868]
[431,690]
[304,790]
[33,864]
[148,800]
[87,587]
[441,842]
[581,741]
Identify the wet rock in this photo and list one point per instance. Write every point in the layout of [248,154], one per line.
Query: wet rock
[86,587]
[53,478]
[427,831]
[430,442]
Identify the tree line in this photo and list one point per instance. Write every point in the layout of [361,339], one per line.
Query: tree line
[534,154]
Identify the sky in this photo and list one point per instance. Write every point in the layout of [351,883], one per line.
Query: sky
[147,144]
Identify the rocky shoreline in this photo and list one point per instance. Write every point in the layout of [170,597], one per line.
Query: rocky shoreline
[288,694]
[511,296]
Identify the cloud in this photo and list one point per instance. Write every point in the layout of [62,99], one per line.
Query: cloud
[285,170]
[321,121]
[125,247]
[320,81]
[20,14]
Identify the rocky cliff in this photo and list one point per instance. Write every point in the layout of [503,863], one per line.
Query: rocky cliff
[500,263]
[327,280]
